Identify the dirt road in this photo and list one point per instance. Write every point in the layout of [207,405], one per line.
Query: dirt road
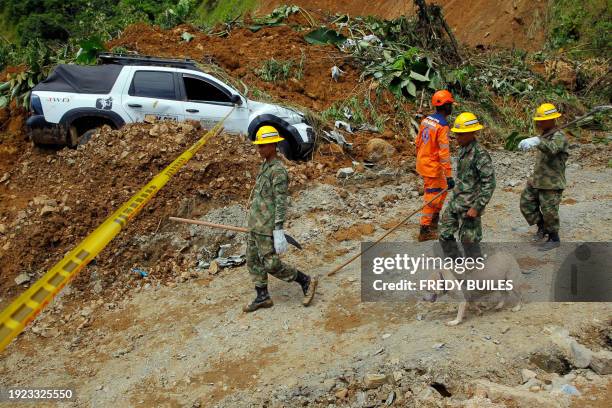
[186,342]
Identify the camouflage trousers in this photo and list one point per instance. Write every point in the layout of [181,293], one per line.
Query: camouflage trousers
[262,260]
[454,220]
[541,206]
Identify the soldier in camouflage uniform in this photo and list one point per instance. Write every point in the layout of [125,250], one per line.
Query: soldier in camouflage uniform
[473,190]
[542,195]
[266,239]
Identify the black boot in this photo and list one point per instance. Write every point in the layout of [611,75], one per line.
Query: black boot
[472,250]
[450,248]
[427,233]
[262,300]
[552,243]
[308,285]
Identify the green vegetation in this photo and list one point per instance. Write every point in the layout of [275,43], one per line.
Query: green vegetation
[410,57]
[583,28]
[273,70]
[358,110]
[211,12]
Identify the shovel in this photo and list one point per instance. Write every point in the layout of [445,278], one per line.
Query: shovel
[289,238]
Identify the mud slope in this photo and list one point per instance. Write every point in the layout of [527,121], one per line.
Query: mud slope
[517,23]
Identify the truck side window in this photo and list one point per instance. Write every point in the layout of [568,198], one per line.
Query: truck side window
[201,91]
[153,84]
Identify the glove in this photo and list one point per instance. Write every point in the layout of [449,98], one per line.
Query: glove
[450,183]
[528,143]
[280,242]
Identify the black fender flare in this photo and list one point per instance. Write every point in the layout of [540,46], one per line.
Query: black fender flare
[78,113]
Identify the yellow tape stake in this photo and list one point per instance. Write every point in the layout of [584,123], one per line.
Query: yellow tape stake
[30,303]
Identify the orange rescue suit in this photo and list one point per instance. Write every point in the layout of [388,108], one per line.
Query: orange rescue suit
[433,164]
[433,152]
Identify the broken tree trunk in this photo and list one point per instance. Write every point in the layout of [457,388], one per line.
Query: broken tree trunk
[433,27]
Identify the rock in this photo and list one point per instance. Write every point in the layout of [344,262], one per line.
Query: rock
[150,119]
[576,353]
[342,393]
[386,336]
[154,131]
[438,346]
[40,200]
[532,384]
[527,375]
[561,72]
[361,398]
[378,150]
[86,311]
[372,381]
[601,362]
[97,287]
[581,355]
[47,209]
[427,397]
[345,172]
[213,269]
[518,397]
[22,278]
[329,384]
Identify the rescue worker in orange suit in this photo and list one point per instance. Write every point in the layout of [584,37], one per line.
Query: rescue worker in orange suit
[433,162]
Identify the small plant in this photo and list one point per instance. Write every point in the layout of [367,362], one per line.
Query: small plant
[176,15]
[275,71]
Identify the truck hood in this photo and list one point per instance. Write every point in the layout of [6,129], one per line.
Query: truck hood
[287,114]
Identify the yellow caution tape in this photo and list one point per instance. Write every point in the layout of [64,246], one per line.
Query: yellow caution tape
[30,303]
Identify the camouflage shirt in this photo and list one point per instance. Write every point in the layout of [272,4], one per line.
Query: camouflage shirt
[549,170]
[475,178]
[269,198]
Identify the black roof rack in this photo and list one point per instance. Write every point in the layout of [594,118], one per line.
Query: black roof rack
[124,59]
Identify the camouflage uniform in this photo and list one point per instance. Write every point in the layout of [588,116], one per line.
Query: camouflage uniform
[474,188]
[268,209]
[542,195]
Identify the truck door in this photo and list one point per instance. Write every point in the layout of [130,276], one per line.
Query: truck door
[153,93]
[209,102]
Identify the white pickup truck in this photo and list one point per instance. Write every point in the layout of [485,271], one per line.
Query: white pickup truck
[75,100]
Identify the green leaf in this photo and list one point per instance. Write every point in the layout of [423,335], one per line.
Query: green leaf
[4,101]
[436,82]
[187,36]
[395,87]
[88,53]
[378,74]
[418,77]
[324,36]
[411,88]
[399,64]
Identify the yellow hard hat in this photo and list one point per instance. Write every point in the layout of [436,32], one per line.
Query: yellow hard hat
[466,122]
[266,135]
[546,111]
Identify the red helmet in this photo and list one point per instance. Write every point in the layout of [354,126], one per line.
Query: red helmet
[442,97]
